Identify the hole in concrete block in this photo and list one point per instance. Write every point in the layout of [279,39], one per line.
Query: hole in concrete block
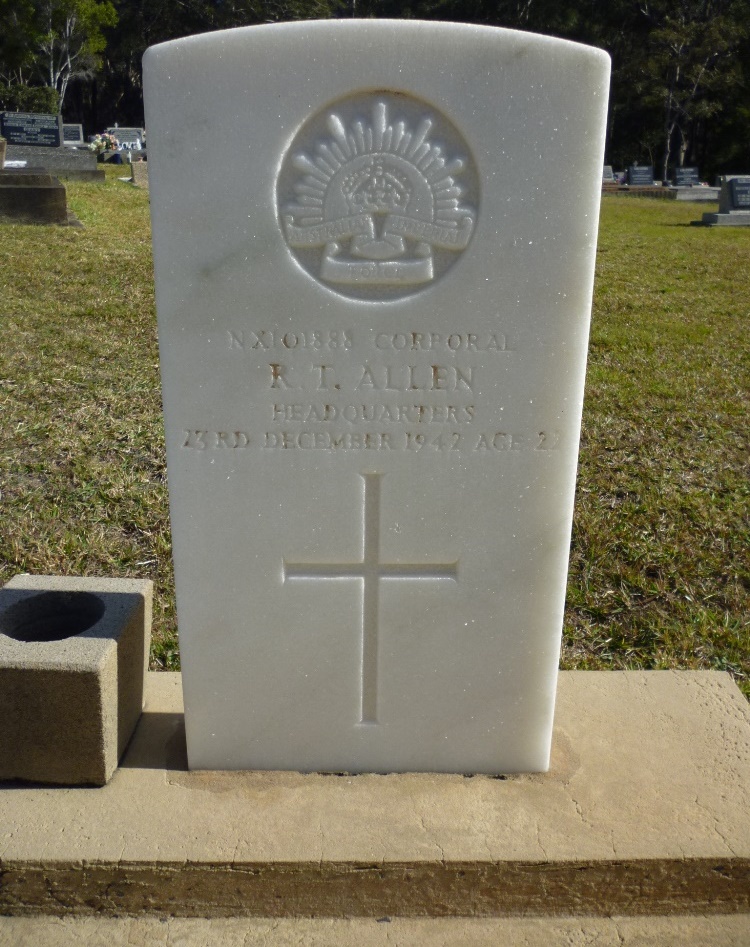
[51,616]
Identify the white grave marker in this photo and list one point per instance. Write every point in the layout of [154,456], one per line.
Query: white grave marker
[374,294]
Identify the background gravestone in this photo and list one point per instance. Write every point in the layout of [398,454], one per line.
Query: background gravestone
[73,135]
[641,175]
[29,128]
[686,177]
[739,189]
[130,139]
[126,135]
[373,299]
[734,203]
[38,140]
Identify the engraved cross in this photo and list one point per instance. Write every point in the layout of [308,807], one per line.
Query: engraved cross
[370,570]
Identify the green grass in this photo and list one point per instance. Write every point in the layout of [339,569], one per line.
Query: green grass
[659,574]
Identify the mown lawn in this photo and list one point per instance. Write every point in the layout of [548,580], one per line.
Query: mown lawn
[659,574]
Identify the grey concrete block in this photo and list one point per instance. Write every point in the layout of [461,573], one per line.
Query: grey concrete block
[73,658]
[56,160]
[34,197]
[139,173]
[734,219]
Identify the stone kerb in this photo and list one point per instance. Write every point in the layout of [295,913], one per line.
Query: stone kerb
[32,196]
[644,812]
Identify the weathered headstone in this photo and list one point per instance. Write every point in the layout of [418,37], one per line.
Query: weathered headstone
[127,136]
[373,298]
[73,135]
[686,177]
[139,173]
[608,175]
[641,175]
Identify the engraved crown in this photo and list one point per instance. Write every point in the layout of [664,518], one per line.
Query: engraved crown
[376,188]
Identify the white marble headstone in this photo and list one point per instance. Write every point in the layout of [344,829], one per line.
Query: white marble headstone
[374,246]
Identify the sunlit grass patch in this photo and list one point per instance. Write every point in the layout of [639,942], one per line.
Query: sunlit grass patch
[659,574]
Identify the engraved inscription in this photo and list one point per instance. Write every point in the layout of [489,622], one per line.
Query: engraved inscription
[266,339]
[370,378]
[194,439]
[377,196]
[336,440]
[448,343]
[370,571]
[407,391]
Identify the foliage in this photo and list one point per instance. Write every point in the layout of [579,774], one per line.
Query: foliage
[687,65]
[17,40]
[681,68]
[53,41]
[27,98]
[72,38]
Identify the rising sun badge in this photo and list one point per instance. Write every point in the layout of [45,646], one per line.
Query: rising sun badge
[378,196]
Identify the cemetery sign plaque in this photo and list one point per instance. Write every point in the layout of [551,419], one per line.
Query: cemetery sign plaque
[373,295]
[31,128]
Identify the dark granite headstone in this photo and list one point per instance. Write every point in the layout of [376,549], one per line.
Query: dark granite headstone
[734,203]
[686,177]
[739,188]
[31,128]
[641,175]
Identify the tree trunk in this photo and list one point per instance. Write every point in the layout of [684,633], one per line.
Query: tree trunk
[683,149]
[667,148]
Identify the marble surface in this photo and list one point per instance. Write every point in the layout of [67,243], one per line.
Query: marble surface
[373,292]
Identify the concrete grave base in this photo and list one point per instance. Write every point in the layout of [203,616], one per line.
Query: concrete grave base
[733,219]
[97,176]
[696,194]
[63,162]
[695,931]
[32,196]
[646,811]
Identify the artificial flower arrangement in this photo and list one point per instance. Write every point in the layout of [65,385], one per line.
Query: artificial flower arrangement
[104,142]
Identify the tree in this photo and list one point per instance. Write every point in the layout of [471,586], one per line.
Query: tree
[688,65]
[18,40]
[70,39]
